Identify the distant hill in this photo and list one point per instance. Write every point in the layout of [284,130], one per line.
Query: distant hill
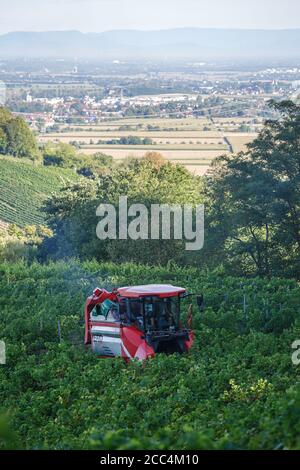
[173,43]
[24,188]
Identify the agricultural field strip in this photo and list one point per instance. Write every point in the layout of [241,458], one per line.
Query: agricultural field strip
[116,127]
[140,125]
[151,134]
[187,148]
[239,141]
[169,154]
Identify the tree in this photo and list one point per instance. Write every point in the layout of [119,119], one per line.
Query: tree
[16,138]
[154,158]
[254,197]
[66,156]
[103,159]
[62,154]
[3,141]
[5,116]
[72,213]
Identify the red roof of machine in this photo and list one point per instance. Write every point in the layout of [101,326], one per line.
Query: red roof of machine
[158,290]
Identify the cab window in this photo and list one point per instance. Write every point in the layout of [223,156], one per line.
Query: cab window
[107,311]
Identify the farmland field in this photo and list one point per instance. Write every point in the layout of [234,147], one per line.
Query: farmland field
[239,141]
[197,162]
[24,188]
[191,142]
[157,137]
[237,121]
[182,124]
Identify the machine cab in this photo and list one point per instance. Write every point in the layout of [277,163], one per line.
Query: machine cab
[136,322]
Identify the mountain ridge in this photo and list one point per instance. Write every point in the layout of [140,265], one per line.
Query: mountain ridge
[176,42]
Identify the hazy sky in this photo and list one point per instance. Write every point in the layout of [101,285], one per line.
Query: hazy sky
[103,15]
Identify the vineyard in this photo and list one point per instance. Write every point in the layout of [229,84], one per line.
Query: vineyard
[237,389]
[24,188]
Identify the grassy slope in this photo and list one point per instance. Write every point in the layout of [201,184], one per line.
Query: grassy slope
[24,187]
[61,396]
